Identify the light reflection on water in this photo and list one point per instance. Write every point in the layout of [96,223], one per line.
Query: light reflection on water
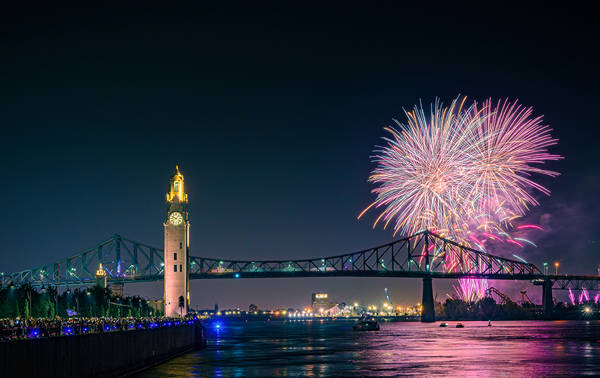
[274,349]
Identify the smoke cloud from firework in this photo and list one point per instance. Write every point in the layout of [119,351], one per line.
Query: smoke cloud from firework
[465,172]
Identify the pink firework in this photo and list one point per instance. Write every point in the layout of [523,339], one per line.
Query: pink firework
[470,289]
[464,171]
[572,297]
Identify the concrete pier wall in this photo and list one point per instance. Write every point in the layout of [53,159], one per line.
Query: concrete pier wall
[97,355]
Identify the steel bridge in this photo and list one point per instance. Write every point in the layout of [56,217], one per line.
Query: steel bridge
[423,255]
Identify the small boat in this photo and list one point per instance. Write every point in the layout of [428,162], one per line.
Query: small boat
[366,325]
[460,325]
[443,324]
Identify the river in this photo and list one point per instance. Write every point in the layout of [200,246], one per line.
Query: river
[315,348]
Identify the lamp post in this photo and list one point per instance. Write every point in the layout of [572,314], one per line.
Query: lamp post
[546,268]
[556,268]
[88,302]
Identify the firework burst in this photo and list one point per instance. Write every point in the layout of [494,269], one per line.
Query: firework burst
[455,166]
[422,169]
[463,172]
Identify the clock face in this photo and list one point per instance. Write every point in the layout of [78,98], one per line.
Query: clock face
[176,218]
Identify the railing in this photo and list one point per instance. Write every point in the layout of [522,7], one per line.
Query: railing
[35,329]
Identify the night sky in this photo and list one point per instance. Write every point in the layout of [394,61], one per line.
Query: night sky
[272,114]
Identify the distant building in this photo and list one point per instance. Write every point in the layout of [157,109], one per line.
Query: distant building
[321,305]
[252,308]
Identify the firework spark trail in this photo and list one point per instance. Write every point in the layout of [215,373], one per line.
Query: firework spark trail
[463,171]
[471,289]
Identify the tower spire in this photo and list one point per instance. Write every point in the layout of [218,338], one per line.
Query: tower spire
[177,190]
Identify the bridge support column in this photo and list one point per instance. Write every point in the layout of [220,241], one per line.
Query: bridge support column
[547,298]
[428,310]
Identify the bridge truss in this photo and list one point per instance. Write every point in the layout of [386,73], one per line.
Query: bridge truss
[423,254]
[497,295]
[571,282]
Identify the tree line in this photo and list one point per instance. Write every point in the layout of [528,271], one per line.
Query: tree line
[47,302]
[487,309]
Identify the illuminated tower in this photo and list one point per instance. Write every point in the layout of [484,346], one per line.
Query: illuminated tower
[177,231]
[101,277]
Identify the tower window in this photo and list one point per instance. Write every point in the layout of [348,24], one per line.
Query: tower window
[175,268]
[180,245]
[180,268]
[175,256]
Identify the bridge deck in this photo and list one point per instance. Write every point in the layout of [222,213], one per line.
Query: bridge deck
[421,255]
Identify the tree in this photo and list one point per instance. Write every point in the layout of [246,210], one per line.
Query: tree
[26,308]
[456,309]
[486,308]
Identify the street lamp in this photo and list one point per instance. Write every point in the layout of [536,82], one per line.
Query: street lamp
[556,268]
[546,268]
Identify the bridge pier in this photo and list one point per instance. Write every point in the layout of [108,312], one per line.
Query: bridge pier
[547,298]
[428,310]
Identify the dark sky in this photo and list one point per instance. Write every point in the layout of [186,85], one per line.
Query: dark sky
[271,114]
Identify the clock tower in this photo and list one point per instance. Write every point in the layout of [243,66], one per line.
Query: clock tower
[177,246]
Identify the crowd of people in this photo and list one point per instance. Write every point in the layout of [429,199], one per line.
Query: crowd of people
[15,329]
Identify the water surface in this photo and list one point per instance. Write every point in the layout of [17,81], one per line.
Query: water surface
[274,349]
